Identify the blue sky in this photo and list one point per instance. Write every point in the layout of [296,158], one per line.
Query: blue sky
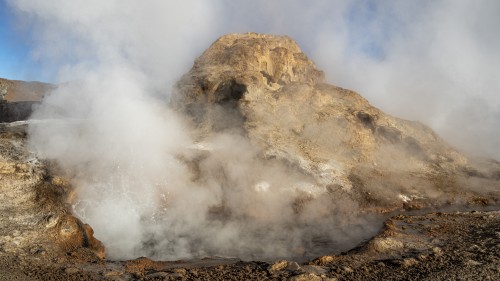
[16,61]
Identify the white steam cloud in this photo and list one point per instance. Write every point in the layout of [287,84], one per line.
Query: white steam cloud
[433,61]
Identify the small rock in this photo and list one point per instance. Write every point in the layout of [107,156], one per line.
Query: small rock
[51,221]
[472,262]
[348,269]
[278,266]
[71,270]
[436,241]
[181,271]
[315,269]
[409,262]
[160,274]
[306,277]
[194,272]
[325,260]
[422,257]
[437,251]
[174,276]
[36,250]
[386,244]
[112,273]
[293,266]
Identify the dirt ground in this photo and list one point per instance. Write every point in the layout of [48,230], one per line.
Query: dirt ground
[435,246]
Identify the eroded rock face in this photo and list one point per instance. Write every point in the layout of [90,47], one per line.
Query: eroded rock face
[264,87]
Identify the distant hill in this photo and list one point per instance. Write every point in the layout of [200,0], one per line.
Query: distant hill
[16,91]
[18,97]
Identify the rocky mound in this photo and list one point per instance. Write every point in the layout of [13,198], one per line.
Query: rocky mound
[266,88]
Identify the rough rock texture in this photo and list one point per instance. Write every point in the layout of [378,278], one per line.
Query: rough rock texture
[265,87]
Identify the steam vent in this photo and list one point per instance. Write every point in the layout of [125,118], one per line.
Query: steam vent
[438,208]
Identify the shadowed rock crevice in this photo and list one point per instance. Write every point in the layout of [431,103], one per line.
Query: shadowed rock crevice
[229,91]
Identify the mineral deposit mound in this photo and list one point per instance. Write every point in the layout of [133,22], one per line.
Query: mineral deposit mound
[315,183]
